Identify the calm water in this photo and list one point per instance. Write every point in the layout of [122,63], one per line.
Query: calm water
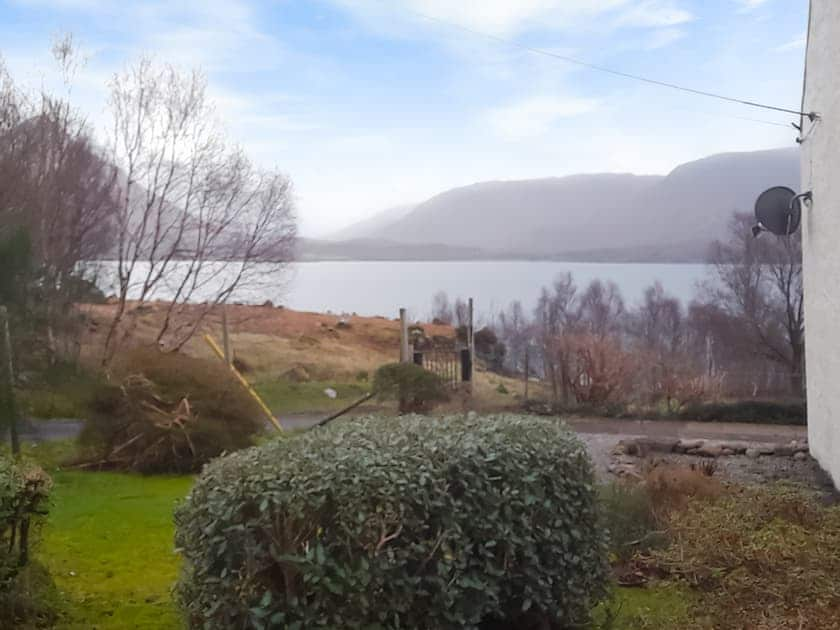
[381,288]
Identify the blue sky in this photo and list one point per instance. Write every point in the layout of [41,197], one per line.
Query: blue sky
[366,104]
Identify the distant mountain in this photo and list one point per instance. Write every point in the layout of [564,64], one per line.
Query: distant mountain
[378,222]
[600,217]
[377,249]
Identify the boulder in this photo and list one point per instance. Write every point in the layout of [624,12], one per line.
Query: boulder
[710,450]
[624,470]
[800,456]
[752,453]
[655,445]
[683,446]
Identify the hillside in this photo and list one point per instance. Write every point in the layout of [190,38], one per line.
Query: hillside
[598,217]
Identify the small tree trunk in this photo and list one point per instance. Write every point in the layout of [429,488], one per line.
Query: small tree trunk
[9,382]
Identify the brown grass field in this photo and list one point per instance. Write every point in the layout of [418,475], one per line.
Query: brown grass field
[277,345]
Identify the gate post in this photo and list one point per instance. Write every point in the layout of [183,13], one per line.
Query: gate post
[466,365]
[405,354]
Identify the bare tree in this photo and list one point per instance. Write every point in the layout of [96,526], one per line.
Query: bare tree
[556,318]
[55,186]
[441,308]
[517,332]
[461,311]
[658,323]
[602,308]
[196,219]
[759,281]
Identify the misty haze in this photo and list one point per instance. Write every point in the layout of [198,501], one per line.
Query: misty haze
[415,314]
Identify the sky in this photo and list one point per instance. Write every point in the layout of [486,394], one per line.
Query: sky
[368,104]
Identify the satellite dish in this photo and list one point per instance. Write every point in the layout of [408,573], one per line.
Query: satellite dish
[778,210]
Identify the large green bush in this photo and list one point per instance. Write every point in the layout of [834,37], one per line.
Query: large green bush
[168,412]
[413,522]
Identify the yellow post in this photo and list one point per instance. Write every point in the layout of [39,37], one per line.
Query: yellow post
[220,353]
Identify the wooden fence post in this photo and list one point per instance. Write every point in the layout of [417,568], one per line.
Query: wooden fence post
[405,354]
[9,382]
[527,370]
[226,336]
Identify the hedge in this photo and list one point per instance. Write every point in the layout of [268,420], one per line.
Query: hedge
[412,522]
[766,412]
[24,494]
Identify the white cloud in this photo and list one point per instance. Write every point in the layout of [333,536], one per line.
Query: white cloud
[536,116]
[750,5]
[798,43]
[654,14]
[664,37]
[506,18]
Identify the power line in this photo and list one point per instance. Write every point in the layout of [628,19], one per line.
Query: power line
[618,73]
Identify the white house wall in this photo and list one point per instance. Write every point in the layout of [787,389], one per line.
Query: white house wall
[821,234]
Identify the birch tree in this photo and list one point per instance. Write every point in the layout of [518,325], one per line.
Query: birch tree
[196,219]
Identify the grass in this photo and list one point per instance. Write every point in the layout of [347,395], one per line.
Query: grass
[283,396]
[108,545]
[61,391]
[657,607]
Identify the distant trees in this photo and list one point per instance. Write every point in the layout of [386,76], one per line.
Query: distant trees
[758,283]
[742,336]
[441,309]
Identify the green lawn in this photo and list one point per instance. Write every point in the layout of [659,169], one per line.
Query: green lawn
[287,397]
[108,544]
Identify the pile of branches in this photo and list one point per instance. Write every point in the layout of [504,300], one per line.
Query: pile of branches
[173,416]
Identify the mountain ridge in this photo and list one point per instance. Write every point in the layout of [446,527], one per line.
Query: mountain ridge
[610,217]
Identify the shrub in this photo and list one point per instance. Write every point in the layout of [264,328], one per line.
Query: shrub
[24,491]
[671,486]
[601,371]
[169,412]
[630,519]
[416,389]
[464,522]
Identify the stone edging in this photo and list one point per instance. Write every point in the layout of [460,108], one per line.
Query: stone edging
[641,447]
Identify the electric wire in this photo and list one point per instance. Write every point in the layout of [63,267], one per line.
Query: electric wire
[612,71]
